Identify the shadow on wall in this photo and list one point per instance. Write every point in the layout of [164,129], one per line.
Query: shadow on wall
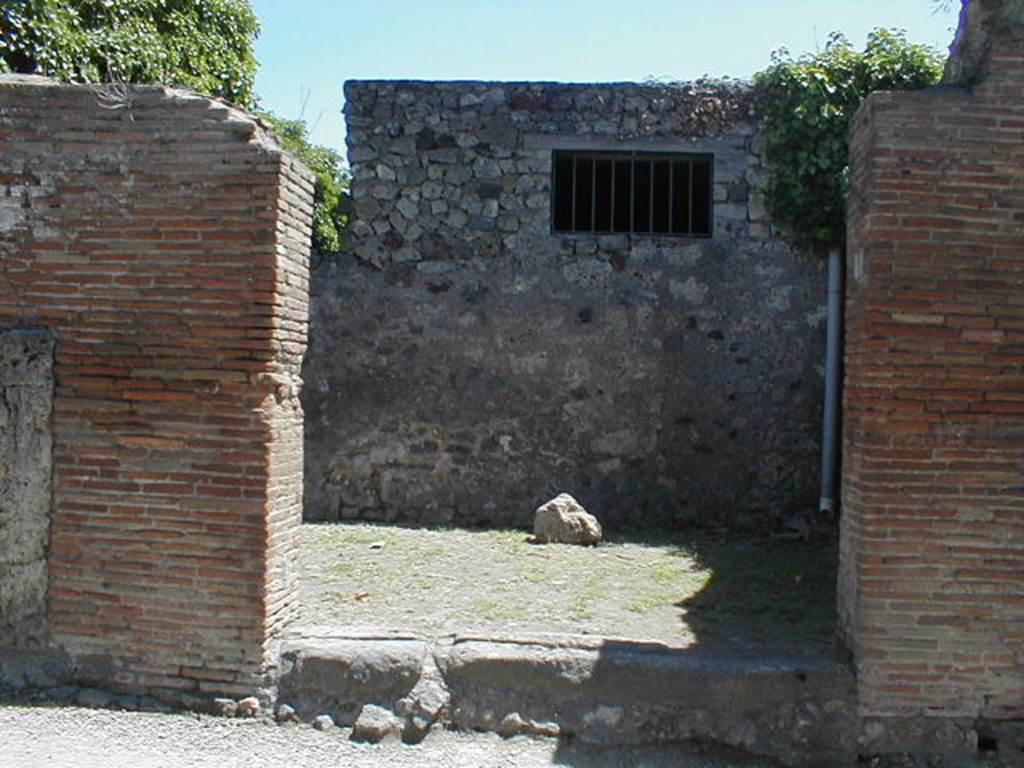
[471,393]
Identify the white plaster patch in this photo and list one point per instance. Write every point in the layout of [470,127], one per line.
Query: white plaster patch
[778,298]
[530,364]
[691,289]
[816,316]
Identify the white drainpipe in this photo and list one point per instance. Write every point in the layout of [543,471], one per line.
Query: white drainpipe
[833,382]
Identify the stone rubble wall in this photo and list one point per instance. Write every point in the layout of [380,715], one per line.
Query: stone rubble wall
[163,238]
[26,403]
[463,170]
[467,364]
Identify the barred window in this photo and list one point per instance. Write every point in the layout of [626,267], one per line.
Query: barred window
[650,193]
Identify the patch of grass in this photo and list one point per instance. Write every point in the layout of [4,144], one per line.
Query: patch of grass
[534,573]
[644,604]
[586,602]
[678,589]
[433,551]
[666,573]
[333,535]
[507,539]
[489,608]
[669,584]
[581,610]
[344,567]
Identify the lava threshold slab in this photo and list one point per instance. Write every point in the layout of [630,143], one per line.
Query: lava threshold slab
[800,710]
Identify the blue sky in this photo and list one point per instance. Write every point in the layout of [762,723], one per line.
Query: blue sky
[308,48]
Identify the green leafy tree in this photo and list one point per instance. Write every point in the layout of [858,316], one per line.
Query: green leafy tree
[809,104]
[330,197]
[206,45]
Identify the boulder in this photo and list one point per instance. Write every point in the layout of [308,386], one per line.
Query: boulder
[375,724]
[225,707]
[286,714]
[564,520]
[422,708]
[249,707]
[323,722]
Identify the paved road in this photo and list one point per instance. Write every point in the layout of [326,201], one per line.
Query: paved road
[72,737]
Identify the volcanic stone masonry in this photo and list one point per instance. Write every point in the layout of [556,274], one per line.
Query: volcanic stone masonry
[467,363]
[26,402]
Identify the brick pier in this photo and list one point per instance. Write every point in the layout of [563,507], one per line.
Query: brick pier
[932,572]
[163,238]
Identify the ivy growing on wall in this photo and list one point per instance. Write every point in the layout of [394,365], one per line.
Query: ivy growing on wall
[206,45]
[330,197]
[808,106]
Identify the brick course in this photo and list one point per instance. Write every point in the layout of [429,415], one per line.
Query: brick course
[163,238]
[932,573]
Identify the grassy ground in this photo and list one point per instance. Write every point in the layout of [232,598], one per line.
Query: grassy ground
[746,594]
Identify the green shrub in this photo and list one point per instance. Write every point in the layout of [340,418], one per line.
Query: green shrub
[206,45]
[330,198]
[809,104]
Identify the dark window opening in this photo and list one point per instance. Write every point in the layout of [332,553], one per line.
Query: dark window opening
[701,202]
[639,192]
[563,194]
[602,195]
[583,184]
[641,198]
[622,186]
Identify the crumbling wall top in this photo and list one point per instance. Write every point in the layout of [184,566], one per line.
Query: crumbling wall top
[983,25]
[695,108]
[120,101]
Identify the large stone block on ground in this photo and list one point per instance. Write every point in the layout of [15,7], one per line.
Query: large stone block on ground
[338,676]
[801,711]
[564,520]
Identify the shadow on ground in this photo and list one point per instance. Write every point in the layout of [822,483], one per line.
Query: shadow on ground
[657,638]
[572,754]
[740,594]
[764,593]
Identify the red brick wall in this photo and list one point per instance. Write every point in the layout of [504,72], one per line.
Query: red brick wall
[163,238]
[284,411]
[932,574]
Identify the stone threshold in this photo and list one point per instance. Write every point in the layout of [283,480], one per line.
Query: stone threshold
[610,691]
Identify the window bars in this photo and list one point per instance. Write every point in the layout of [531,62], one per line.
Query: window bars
[649,193]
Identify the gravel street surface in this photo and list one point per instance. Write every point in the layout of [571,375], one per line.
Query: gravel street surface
[39,737]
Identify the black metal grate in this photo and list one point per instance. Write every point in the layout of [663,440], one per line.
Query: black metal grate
[650,193]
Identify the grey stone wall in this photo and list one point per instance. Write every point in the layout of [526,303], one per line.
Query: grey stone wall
[26,394]
[466,363]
